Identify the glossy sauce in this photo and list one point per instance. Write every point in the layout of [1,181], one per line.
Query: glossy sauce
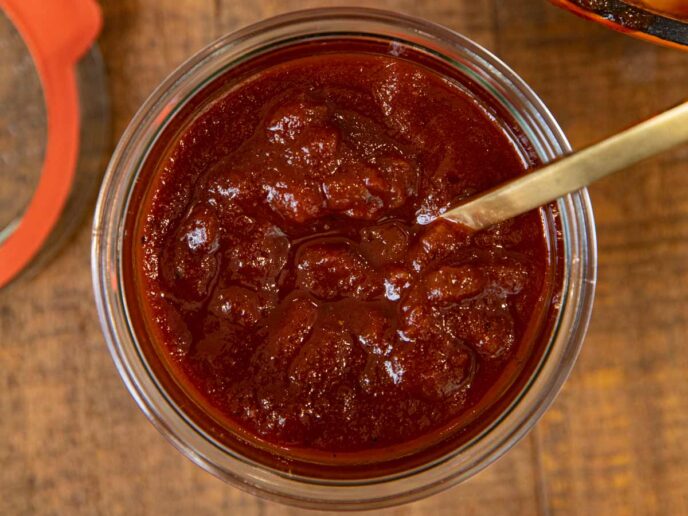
[289,277]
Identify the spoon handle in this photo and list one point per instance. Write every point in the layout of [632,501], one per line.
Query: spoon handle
[575,171]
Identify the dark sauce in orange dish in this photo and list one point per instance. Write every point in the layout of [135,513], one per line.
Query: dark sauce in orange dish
[289,278]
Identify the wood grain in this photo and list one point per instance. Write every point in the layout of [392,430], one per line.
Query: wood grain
[615,442]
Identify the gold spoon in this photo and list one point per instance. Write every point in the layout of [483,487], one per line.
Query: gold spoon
[574,171]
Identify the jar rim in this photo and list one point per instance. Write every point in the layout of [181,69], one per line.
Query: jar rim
[108,233]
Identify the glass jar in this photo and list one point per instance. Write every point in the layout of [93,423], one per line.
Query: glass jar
[54,129]
[577,255]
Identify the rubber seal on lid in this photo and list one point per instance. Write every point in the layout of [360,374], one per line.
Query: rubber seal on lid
[57,33]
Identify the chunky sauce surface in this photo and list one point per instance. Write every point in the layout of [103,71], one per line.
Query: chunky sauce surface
[290,278]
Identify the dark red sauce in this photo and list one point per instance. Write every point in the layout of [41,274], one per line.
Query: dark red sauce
[288,277]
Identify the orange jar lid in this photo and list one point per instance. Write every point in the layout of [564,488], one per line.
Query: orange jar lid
[57,33]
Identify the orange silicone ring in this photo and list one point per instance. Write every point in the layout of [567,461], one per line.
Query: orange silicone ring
[57,33]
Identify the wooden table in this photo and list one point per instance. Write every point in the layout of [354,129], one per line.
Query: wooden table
[615,442]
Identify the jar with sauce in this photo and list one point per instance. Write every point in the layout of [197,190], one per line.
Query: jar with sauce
[273,292]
